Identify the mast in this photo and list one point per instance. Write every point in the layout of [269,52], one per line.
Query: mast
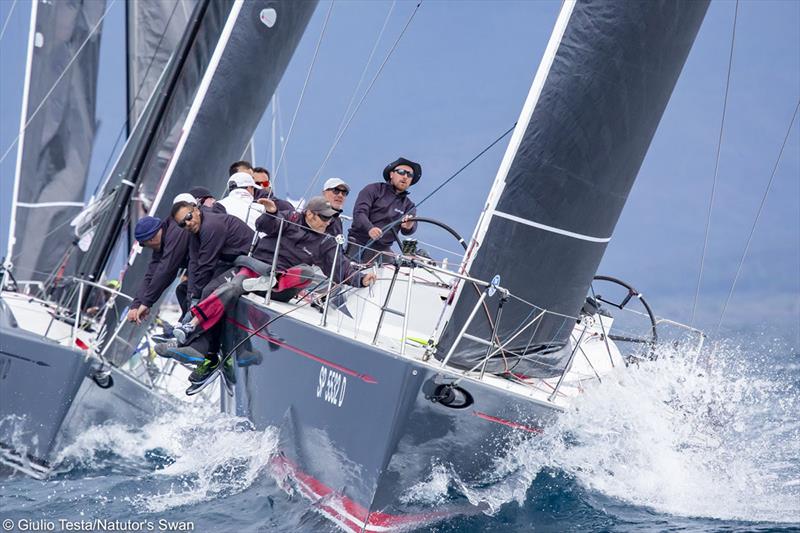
[21,142]
[592,110]
[254,47]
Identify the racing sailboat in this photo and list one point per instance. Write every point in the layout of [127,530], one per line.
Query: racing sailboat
[58,374]
[451,367]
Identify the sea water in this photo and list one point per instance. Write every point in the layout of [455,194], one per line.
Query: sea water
[710,443]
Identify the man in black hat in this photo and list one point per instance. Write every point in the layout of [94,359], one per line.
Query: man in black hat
[380,204]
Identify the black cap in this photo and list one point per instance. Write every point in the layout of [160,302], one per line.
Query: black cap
[403,161]
[200,192]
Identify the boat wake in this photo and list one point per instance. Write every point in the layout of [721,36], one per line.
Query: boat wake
[716,441]
[677,438]
[185,457]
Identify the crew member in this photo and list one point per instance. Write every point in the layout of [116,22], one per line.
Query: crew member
[380,204]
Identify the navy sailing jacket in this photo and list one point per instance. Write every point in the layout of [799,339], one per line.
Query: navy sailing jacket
[221,239]
[301,245]
[172,256]
[376,206]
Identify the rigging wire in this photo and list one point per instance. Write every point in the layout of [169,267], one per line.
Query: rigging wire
[60,77]
[352,99]
[457,172]
[716,167]
[758,215]
[303,90]
[8,18]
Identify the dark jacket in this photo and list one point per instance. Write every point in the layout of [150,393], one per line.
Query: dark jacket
[376,206]
[301,245]
[282,205]
[172,256]
[221,239]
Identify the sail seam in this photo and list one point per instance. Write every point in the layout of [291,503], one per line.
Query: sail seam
[34,205]
[551,229]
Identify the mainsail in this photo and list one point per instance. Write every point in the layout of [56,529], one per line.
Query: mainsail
[56,134]
[596,100]
[249,59]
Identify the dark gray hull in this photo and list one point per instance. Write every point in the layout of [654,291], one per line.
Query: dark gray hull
[48,397]
[358,425]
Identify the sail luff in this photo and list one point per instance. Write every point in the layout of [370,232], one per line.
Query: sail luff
[20,143]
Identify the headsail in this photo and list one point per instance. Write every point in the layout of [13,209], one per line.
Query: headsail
[597,98]
[154,28]
[56,133]
[256,44]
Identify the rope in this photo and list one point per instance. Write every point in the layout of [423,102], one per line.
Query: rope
[303,91]
[340,129]
[63,72]
[758,215]
[364,96]
[8,18]
[716,168]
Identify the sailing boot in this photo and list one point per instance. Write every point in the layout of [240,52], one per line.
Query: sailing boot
[203,370]
[228,372]
[183,354]
[182,331]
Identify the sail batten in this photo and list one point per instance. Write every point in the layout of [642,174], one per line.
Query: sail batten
[592,110]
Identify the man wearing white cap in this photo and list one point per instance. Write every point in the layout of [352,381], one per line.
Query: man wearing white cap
[335,191]
[240,200]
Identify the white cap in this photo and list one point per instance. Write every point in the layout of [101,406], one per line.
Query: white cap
[243,179]
[335,182]
[184,197]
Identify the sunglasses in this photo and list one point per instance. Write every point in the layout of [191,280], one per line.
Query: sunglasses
[404,172]
[324,218]
[187,218]
[337,190]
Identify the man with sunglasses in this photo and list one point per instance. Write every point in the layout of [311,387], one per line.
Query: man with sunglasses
[380,204]
[304,242]
[216,240]
[335,191]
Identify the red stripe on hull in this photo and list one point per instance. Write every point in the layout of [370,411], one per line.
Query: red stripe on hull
[366,378]
[509,423]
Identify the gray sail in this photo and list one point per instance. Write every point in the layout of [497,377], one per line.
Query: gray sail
[162,117]
[56,135]
[259,39]
[594,106]
[154,28]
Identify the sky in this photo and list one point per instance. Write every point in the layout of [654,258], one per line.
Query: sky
[457,79]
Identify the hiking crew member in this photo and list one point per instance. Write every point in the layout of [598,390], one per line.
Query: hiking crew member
[170,245]
[303,242]
[217,240]
[202,196]
[335,191]
[240,201]
[380,204]
[261,176]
